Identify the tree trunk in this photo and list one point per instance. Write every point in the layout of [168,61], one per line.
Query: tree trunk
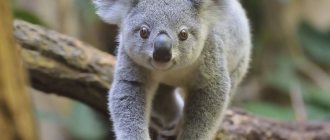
[16,119]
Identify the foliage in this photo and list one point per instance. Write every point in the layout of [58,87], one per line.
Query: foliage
[316,46]
[27,16]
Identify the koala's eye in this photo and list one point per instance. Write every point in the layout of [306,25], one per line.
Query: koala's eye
[144,32]
[183,35]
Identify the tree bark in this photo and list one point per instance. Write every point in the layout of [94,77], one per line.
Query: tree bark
[16,117]
[68,67]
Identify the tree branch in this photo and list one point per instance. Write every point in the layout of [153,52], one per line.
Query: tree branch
[65,66]
[68,67]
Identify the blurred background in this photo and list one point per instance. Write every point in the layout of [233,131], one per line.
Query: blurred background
[289,78]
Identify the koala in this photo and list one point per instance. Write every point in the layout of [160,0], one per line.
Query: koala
[201,46]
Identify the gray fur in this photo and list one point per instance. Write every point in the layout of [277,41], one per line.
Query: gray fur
[208,66]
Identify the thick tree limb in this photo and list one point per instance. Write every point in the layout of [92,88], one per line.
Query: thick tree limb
[67,67]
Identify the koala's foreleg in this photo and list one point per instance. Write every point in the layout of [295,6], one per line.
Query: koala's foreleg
[204,112]
[206,101]
[130,100]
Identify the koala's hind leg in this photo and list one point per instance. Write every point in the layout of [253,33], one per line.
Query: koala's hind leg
[166,112]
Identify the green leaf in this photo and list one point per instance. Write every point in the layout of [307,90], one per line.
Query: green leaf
[283,75]
[315,44]
[27,16]
[316,96]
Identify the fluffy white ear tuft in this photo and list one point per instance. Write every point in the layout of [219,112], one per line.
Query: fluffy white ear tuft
[113,11]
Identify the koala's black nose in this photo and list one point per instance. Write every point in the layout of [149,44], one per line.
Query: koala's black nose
[162,48]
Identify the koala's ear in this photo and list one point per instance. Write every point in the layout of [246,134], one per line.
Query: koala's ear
[113,11]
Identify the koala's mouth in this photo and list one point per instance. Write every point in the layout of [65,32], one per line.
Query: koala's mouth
[162,66]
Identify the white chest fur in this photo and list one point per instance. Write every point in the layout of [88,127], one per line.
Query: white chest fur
[179,77]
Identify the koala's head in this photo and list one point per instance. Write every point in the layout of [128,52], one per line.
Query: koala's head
[159,34]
